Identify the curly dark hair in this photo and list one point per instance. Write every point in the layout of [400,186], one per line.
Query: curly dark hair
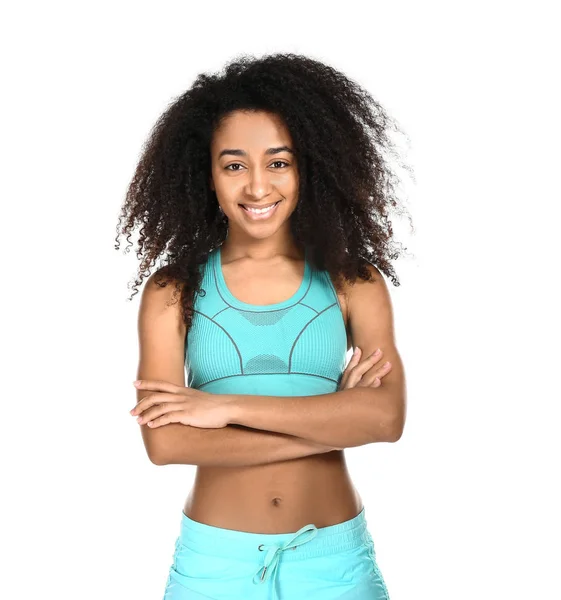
[346,185]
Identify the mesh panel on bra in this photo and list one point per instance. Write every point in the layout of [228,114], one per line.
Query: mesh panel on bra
[265,318]
[265,363]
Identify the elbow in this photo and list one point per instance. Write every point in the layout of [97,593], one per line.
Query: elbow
[156,445]
[395,429]
[157,459]
[396,419]
[395,435]
[156,453]
[393,426]
[386,431]
[389,414]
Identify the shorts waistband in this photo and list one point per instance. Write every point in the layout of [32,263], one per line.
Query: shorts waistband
[308,542]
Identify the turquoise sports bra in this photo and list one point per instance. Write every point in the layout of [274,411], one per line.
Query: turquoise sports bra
[293,348]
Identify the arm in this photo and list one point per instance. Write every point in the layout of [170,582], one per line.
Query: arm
[345,419]
[230,446]
[161,333]
[350,417]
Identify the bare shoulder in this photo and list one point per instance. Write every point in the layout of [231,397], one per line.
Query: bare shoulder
[367,291]
[370,309]
[161,301]
[361,290]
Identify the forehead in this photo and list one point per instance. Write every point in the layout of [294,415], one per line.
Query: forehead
[251,131]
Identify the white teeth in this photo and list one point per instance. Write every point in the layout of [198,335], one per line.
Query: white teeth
[260,210]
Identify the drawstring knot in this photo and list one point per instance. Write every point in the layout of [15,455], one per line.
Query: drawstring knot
[269,567]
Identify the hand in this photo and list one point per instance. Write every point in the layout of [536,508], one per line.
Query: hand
[354,373]
[177,404]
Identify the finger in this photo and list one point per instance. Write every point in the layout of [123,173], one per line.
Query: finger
[370,360]
[153,400]
[158,411]
[146,412]
[352,363]
[157,385]
[378,373]
[358,371]
[355,357]
[170,417]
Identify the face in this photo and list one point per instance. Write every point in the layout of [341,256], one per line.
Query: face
[253,167]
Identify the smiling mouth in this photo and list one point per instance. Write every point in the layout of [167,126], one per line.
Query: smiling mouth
[260,211]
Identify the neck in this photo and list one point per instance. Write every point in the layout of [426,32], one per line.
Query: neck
[235,247]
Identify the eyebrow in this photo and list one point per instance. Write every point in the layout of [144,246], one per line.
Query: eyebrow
[238,152]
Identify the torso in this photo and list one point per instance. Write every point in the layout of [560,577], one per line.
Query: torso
[278,497]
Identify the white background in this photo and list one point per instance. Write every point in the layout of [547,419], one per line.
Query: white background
[465,505]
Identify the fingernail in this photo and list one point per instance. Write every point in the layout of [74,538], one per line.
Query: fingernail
[357,349]
[136,382]
[377,352]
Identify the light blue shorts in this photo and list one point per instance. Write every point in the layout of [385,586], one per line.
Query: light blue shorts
[337,562]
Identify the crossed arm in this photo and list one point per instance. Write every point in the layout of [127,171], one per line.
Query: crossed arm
[266,429]
[343,419]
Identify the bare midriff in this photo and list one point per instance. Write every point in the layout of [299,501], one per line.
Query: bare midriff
[278,497]
[275,498]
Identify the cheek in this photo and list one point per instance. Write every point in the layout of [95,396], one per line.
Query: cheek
[293,206]
[286,181]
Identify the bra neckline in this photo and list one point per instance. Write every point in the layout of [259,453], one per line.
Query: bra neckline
[236,303]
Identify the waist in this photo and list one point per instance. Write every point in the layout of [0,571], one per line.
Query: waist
[219,541]
[274,497]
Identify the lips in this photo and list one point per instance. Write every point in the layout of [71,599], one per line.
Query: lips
[257,216]
[260,206]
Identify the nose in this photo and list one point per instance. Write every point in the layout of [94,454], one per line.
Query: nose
[258,184]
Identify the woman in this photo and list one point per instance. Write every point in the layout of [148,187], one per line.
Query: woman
[267,188]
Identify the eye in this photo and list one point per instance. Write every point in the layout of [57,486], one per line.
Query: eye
[281,162]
